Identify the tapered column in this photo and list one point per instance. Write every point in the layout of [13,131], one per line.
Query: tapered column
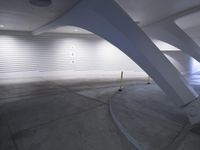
[106,19]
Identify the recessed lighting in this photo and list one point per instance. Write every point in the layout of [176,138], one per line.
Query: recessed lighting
[2,26]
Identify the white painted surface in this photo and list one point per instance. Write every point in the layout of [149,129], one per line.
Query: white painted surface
[108,20]
[189,21]
[23,55]
[183,62]
[21,15]
[163,46]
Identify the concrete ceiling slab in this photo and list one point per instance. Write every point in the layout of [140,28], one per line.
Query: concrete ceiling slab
[189,21]
[70,29]
[22,16]
[147,12]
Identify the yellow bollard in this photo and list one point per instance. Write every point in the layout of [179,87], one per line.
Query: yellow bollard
[121,81]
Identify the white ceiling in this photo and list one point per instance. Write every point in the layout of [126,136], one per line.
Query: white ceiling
[149,11]
[20,15]
[189,21]
[70,29]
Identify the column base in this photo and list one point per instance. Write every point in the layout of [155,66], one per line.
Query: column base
[193,112]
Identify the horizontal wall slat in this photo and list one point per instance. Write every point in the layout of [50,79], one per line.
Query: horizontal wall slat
[21,53]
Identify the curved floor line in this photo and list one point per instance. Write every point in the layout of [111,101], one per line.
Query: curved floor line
[133,141]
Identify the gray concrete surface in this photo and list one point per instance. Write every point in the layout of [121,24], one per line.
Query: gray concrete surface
[65,115]
[148,116]
[144,111]
[44,116]
[153,121]
[191,142]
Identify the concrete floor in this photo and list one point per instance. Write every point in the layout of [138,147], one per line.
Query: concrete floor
[45,116]
[72,115]
[148,116]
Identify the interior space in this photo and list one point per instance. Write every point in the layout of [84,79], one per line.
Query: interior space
[99,75]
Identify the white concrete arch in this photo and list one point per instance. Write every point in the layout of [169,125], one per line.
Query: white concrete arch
[170,33]
[167,30]
[164,46]
[106,19]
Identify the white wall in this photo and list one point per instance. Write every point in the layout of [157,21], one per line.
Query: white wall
[23,55]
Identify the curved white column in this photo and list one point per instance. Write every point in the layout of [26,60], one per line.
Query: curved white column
[169,32]
[106,19]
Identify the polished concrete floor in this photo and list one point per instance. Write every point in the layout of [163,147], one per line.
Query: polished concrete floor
[65,115]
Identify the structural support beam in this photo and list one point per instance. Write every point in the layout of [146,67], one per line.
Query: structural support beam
[168,31]
[106,19]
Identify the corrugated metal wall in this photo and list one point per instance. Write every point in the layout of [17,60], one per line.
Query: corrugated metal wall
[24,53]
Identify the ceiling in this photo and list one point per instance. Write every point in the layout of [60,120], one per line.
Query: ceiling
[70,29]
[189,21]
[149,11]
[20,15]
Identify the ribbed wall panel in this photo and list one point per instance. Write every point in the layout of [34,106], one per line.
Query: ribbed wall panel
[24,53]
